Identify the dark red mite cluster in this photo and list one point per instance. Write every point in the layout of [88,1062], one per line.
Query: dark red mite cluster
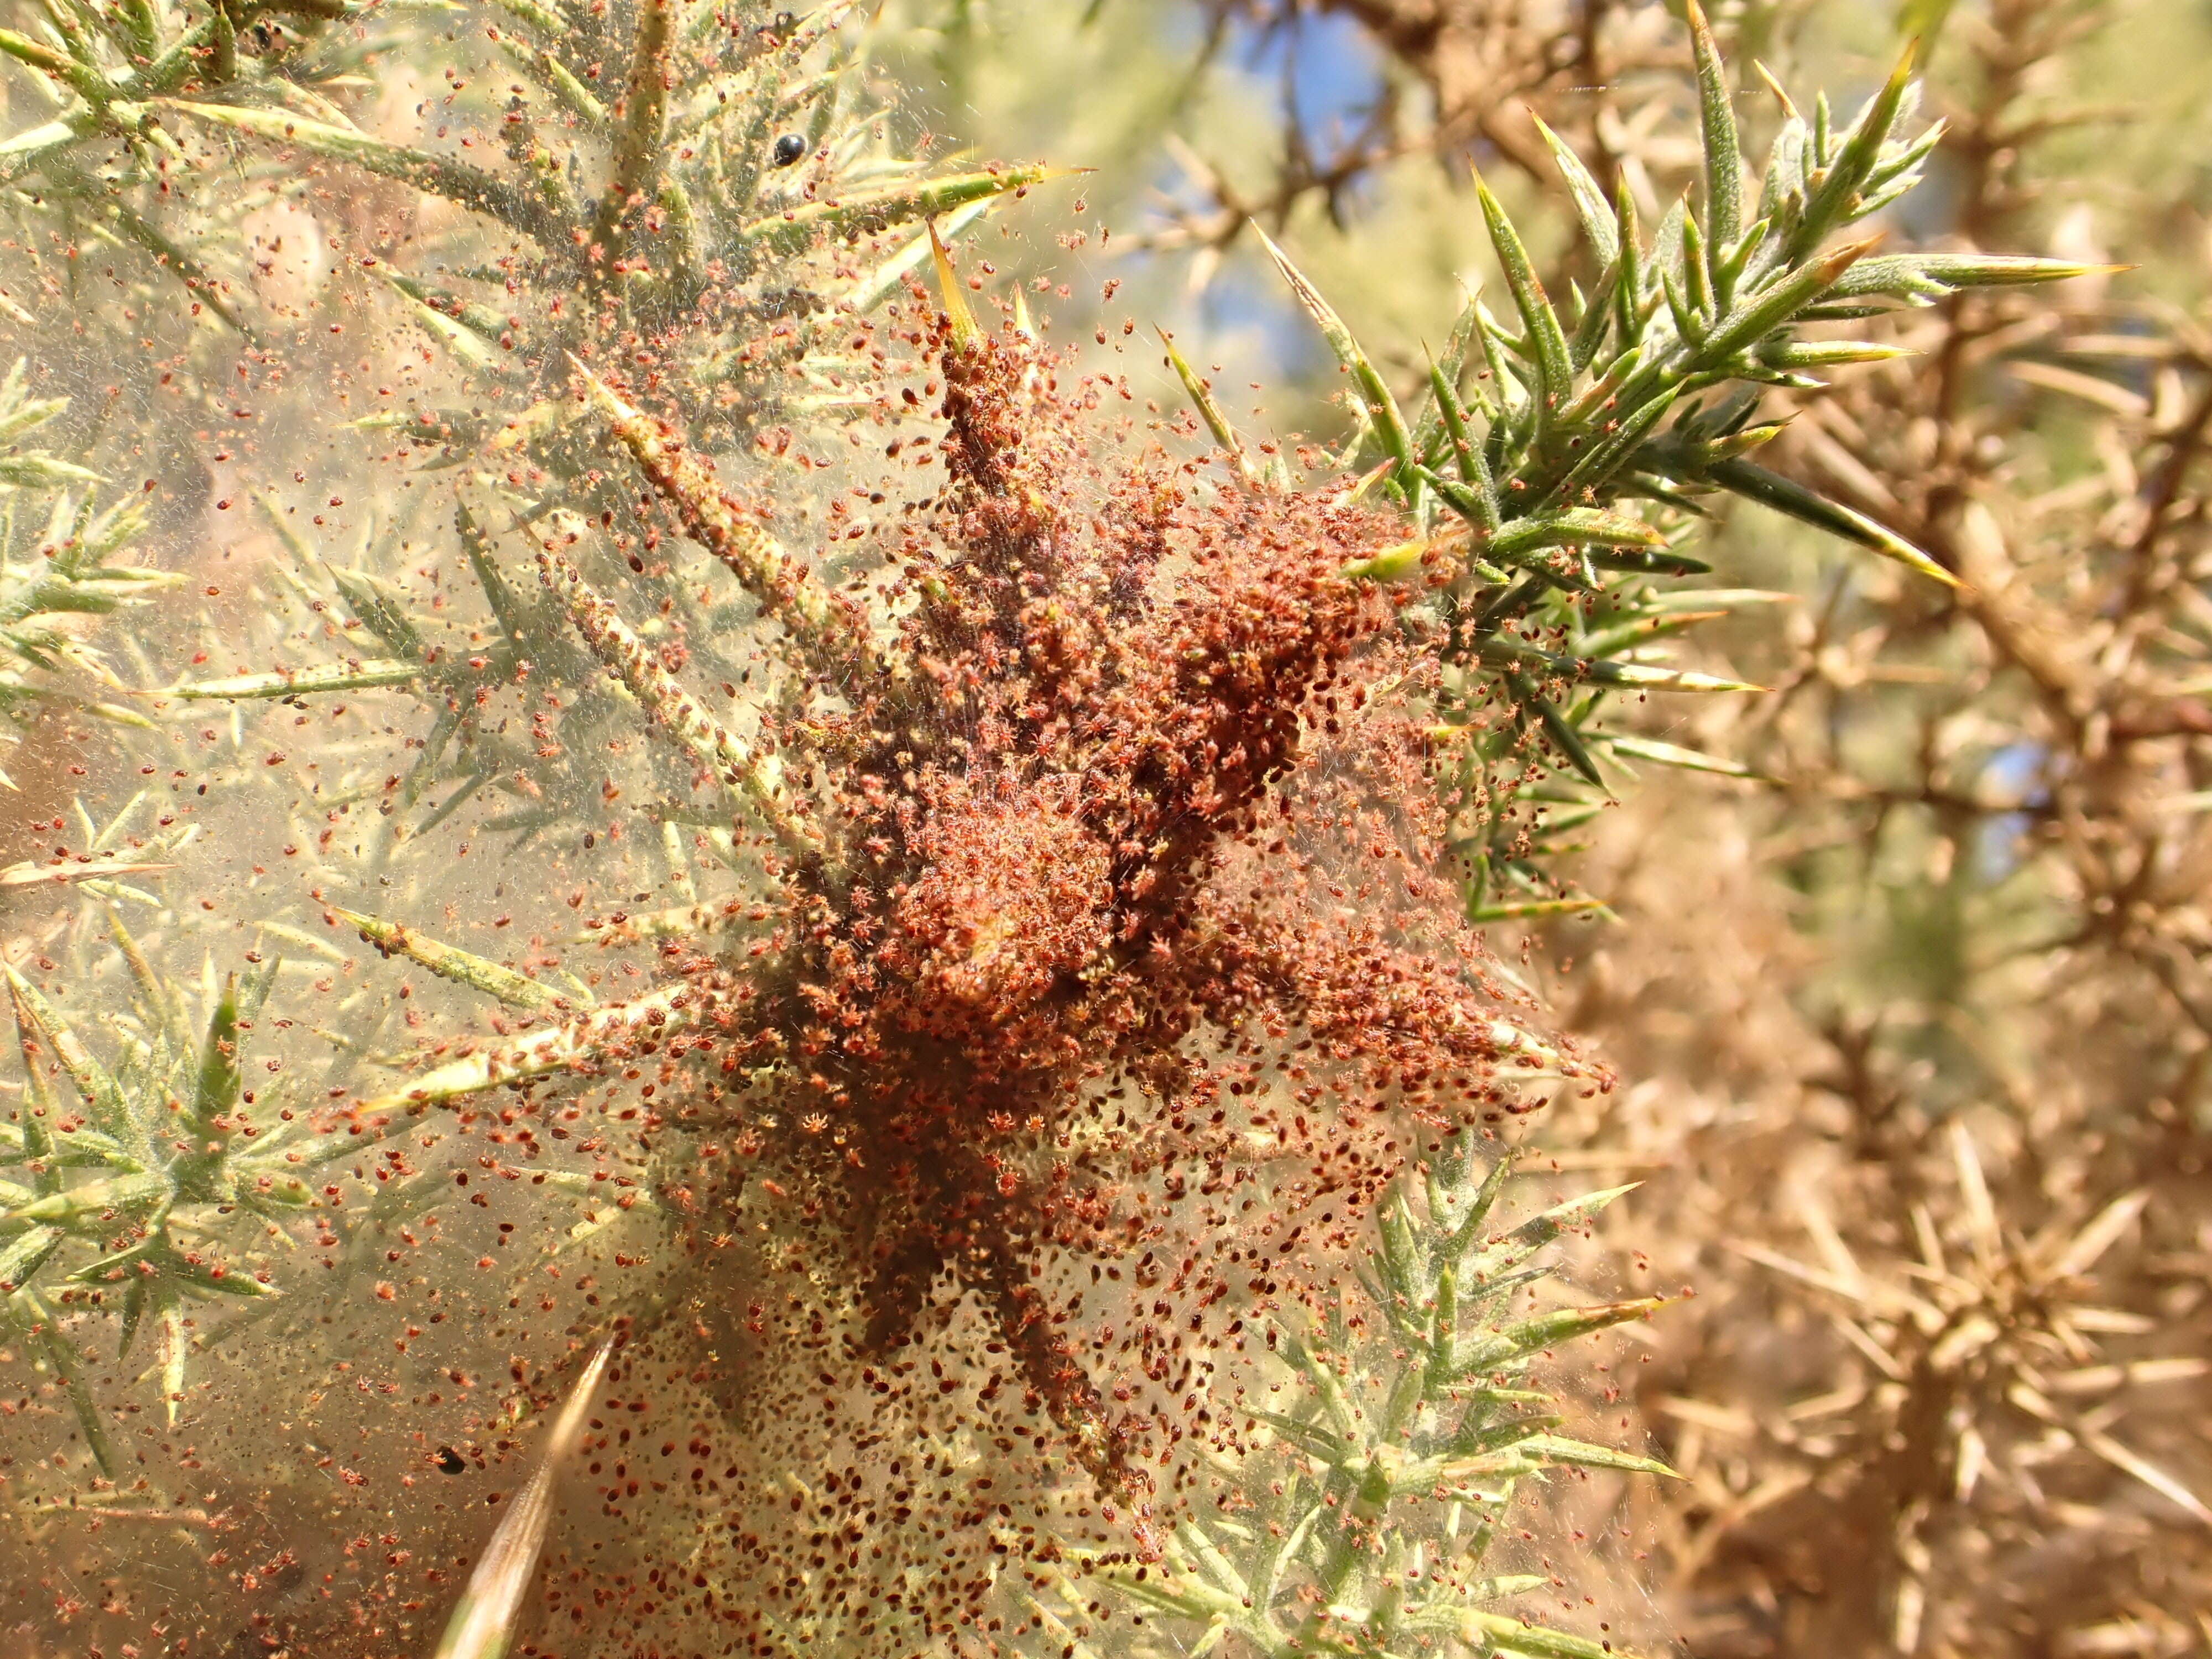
[1123,872]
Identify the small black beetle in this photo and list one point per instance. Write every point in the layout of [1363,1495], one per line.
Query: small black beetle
[789,148]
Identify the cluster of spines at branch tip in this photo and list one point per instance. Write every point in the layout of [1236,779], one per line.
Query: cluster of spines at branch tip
[1363,1505]
[164,1140]
[63,561]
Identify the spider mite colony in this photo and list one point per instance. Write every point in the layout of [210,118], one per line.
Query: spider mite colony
[704,785]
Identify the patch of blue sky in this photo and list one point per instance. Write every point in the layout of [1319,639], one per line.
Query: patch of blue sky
[2014,772]
[1334,71]
[1334,77]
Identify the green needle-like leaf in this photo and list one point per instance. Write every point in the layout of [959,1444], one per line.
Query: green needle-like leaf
[1601,461]
[1494,1632]
[1572,528]
[382,609]
[34,1320]
[1481,508]
[1381,408]
[1568,740]
[25,1254]
[330,677]
[449,961]
[103,1098]
[1762,312]
[1937,274]
[1547,341]
[1724,146]
[1599,225]
[879,207]
[1556,1448]
[1832,200]
[1667,754]
[434,175]
[1756,483]
[220,1077]
[1628,284]
[1600,671]
[1531,1336]
[1201,395]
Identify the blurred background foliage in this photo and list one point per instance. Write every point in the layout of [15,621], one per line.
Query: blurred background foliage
[1913,1019]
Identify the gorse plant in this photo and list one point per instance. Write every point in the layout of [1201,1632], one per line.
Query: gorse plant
[1528,442]
[62,564]
[734,148]
[119,1199]
[1359,1516]
[1040,925]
